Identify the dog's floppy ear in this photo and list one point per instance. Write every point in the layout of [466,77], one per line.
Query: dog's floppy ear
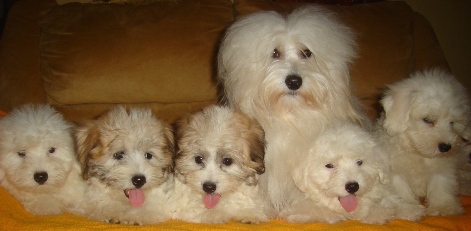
[86,137]
[397,106]
[169,145]
[2,174]
[381,162]
[257,147]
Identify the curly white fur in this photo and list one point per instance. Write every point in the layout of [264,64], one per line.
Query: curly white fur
[37,161]
[424,116]
[291,73]
[217,167]
[343,175]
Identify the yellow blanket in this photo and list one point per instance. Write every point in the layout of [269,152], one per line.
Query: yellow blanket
[14,217]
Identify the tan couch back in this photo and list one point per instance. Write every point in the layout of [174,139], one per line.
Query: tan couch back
[162,55]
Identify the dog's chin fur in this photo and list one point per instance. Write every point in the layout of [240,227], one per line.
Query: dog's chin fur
[36,140]
[422,113]
[257,55]
[115,148]
[345,154]
[224,148]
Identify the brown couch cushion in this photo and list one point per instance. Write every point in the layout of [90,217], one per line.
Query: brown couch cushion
[98,54]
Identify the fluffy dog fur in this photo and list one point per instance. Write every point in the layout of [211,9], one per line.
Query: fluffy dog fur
[126,156]
[344,175]
[37,160]
[217,166]
[423,118]
[292,75]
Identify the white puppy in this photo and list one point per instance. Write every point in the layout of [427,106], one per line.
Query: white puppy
[291,73]
[217,166]
[423,118]
[344,175]
[37,160]
[126,156]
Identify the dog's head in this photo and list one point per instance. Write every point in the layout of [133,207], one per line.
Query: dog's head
[36,149]
[429,109]
[129,151]
[344,163]
[286,66]
[218,150]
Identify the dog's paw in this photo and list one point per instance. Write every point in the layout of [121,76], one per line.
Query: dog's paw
[44,206]
[118,221]
[410,212]
[254,218]
[447,210]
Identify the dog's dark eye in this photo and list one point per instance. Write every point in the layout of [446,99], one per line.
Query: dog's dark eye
[428,121]
[199,159]
[148,155]
[52,150]
[306,53]
[118,155]
[227,161]
[22,153]
[276,54]
[329,166]
[359,162]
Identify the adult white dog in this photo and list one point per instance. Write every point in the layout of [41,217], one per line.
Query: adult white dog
[423,120]
[292,75]
[37,161]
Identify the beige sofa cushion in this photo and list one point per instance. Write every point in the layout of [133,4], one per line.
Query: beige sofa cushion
[112,53]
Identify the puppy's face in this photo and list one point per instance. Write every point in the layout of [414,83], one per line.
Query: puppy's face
[218,151]
[429,110]
[287,65]
[341,166]
[128,151]
[36,149]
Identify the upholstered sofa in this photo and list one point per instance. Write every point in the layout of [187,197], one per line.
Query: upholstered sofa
[84,59]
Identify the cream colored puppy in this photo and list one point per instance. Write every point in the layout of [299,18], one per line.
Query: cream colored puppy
[423,118]
[37,161]
[290,73]
[343,175]
[220,156]
[126,156]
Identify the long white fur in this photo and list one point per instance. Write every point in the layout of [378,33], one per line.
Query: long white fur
[422,112]
[310,43]
[37,139]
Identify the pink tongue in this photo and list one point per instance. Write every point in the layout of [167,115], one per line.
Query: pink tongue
[136,197]
[349,203]
[211,200]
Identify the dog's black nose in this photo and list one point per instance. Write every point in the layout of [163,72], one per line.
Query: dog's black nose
[40,177]
[352,187]
[209,187]
[293,82]
[442,147]
[138,181]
